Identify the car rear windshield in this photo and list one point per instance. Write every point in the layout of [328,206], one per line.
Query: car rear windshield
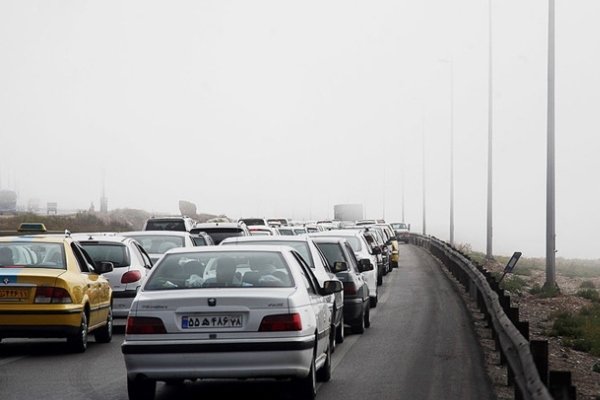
[32,255]
[300,246]
[286,232]
[159,244]
[333,252]
[253,221]
[115,253]
[300,231]
[165,225]
[353,241]
[218,234]
[220,269]
[399,226]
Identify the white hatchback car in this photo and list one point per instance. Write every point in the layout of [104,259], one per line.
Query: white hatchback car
[130,262]
[254,319]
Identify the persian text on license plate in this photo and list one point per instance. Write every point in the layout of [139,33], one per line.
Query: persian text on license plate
[211,321]
[13,294]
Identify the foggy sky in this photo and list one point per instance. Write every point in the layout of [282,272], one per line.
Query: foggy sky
[278,108]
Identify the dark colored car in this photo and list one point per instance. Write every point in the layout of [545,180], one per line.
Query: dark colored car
[349,270]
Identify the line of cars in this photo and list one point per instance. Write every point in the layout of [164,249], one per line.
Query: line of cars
[252,307]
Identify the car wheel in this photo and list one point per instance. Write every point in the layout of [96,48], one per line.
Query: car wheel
[104,334]
[380,279]
[368,316]
[373,301]
[324,374]
[306,388]
[339,333]
[141,389]
[78,342]
[359,326]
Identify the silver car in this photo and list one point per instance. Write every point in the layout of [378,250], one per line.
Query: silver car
[263,315]
[156,243]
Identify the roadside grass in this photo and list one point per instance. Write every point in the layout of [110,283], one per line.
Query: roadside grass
[587,285]
[544,292]
[514,284]
[590,294]
[580,331]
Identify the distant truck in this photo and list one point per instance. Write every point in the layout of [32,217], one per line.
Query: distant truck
[8,202]
[347,212]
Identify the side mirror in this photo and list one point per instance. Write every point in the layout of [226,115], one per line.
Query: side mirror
[365,265]
[339,266]
[376,250]
[103,267]
[331,287]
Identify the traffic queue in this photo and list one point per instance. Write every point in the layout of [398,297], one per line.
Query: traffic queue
[254,298]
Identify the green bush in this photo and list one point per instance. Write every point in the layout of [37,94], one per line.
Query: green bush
[544,292]
[581,331]
[513,284]
[587,285]
[590,294]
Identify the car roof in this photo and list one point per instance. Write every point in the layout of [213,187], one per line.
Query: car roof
[155,233]
[88,237]
[298,238]
[328,239]
[217,224]
[208,249]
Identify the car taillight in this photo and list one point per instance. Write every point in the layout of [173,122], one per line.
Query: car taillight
[144,326]
[131,276]
[52,295]
[281,322]
[349,289]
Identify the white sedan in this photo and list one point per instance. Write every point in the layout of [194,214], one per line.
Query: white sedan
[263,315]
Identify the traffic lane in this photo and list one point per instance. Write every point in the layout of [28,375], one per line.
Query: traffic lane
[417,334]
[422,345]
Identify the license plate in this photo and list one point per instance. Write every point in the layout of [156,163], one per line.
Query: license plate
[212,321]
[13,294]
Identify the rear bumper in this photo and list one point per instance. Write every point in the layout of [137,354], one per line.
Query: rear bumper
[37,331]
[122,303]
[225,359]
[39,322]
[353,310]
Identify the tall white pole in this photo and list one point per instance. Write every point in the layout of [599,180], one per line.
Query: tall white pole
[424,185]
[550,176]
[451,151]
[489,250]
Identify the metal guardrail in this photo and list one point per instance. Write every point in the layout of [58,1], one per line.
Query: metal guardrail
[523,369]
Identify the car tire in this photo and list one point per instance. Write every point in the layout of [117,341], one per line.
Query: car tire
[373,301]
[368,316]
[306,388]
[141,389]
[359,326]
[380,279]
[78,342]
[104,334]
[339,333]
[324,374]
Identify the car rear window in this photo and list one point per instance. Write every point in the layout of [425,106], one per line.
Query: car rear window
[220,269]
[253,221]
[115,253]
[218,234]
[333,252]
[165,225]
[159,244]
[300,246]
[32,254]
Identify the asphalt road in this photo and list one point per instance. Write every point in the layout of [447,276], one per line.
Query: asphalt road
[420,346]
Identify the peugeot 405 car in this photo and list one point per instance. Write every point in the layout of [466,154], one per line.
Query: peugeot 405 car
[262,315]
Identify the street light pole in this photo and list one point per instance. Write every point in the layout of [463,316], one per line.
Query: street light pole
[489,250]
[550,170]
[424,191]
[451,152]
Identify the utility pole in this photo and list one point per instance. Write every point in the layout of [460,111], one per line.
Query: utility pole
[451,152]
[403,166]
[550,176]
[489,251]
[424,190]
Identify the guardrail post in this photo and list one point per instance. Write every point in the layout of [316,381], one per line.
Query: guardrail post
[539,352]
[560,385]
[523,327]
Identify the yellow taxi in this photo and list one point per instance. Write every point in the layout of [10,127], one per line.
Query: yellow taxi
[51,288]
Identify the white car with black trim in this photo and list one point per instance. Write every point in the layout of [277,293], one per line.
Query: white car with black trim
[252,319]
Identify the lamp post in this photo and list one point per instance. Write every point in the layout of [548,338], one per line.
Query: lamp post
[489,250]
[451,62]
[424,186]
[550,176]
